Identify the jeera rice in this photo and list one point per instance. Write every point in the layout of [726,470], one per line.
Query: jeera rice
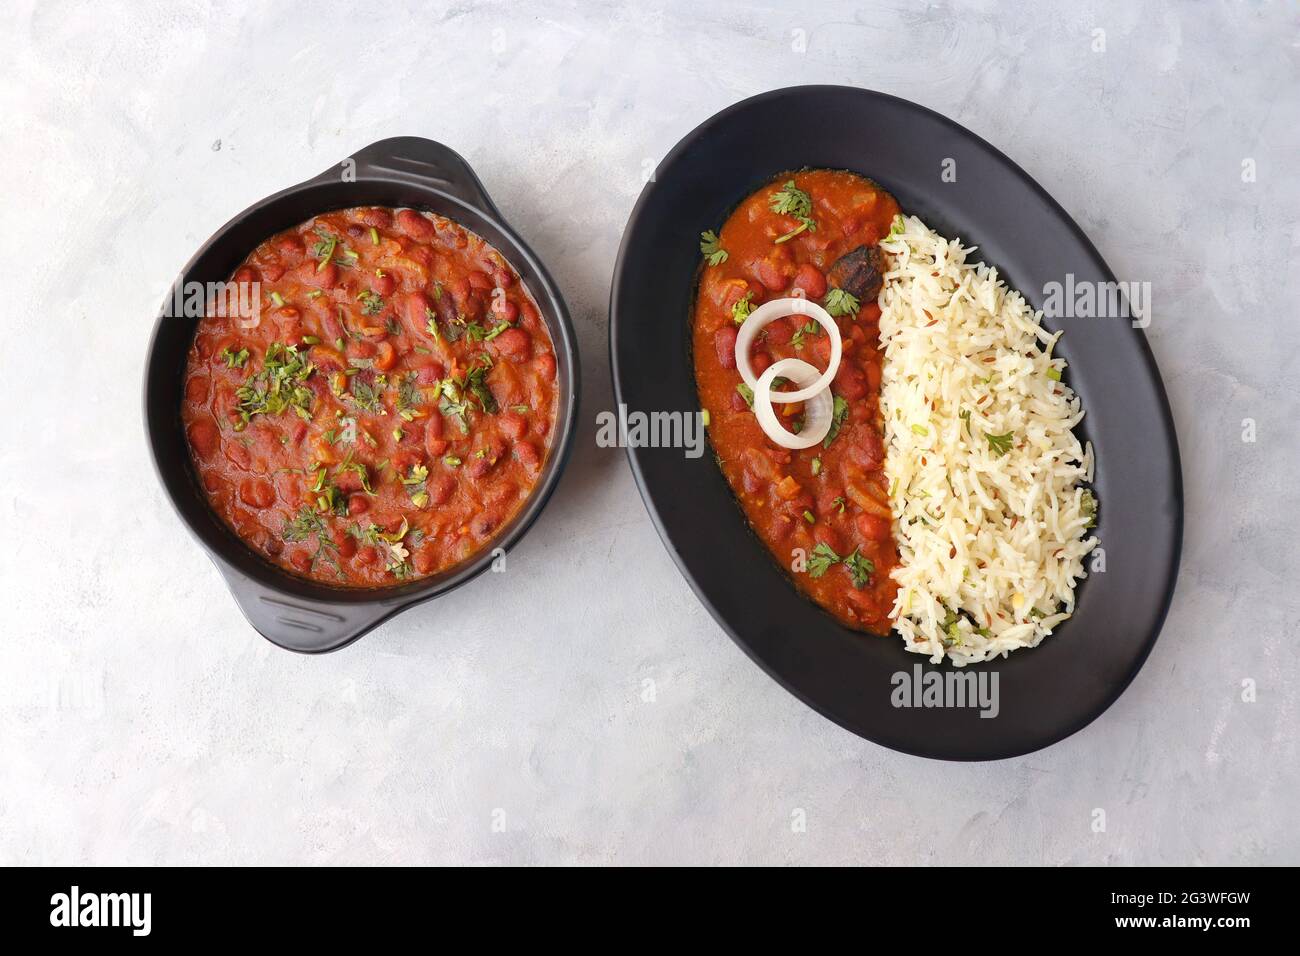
[987,479]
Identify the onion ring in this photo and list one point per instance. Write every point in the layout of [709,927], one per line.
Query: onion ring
[818,411]
[769,312]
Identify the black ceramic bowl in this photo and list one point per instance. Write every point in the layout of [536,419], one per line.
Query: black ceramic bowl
[1044,693]
[292,612]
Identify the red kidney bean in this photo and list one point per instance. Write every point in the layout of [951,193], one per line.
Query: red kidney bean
[429,372]
[484,523]
[527,453]
[425,560]
[196,389]
[545,365]
[513,343]
[773,273]
[256,493]
[418,227]
[849,383]
[239,455]
[290,249]
[204,437]
[724,343]
[810,279]
[512,424]
[873,527]
[779,332]
[374,216]
[441,488]
[825,534]
[361,349]
[504,309]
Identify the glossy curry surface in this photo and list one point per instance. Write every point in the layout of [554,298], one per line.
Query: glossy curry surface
[822,512]
[389,410]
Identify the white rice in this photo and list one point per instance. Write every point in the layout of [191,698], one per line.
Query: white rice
[991,545]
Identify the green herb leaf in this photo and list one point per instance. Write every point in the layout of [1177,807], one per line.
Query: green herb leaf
[792,201]
[711,247]
[234,359]
[860,568]
[740,311]
[821,560]
[746,393]
[999,444]
[839,413]
[1088,505]
[839,302]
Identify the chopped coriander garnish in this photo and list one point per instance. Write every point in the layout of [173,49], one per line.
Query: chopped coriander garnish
[234,359]
[711,247]
[746,393]
[1088,505]
[371,303]
[374,235]
[860,569]
[999,444]
[839,502]
[812,328]
[1054,374]
[305,524]
[809,517]
[920,430]
[451,461]
[839,302]
[324,251]
[277,387]
[277,299]
[816,466]
[840,412]
[740,311]
[792,201]
[821,560]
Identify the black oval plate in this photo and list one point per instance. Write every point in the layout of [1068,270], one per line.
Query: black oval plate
[1043,694]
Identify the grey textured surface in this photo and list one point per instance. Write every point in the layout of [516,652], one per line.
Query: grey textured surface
[141,720]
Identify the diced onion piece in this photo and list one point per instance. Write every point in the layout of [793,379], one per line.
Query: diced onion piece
[818,410]
[769,312]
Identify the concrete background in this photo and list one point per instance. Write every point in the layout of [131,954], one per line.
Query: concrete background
[142,721]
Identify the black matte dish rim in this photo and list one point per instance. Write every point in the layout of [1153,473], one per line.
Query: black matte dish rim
[292,612]
[637,457]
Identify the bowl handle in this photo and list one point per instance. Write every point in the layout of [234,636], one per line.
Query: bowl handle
[302,624]
[420,161]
